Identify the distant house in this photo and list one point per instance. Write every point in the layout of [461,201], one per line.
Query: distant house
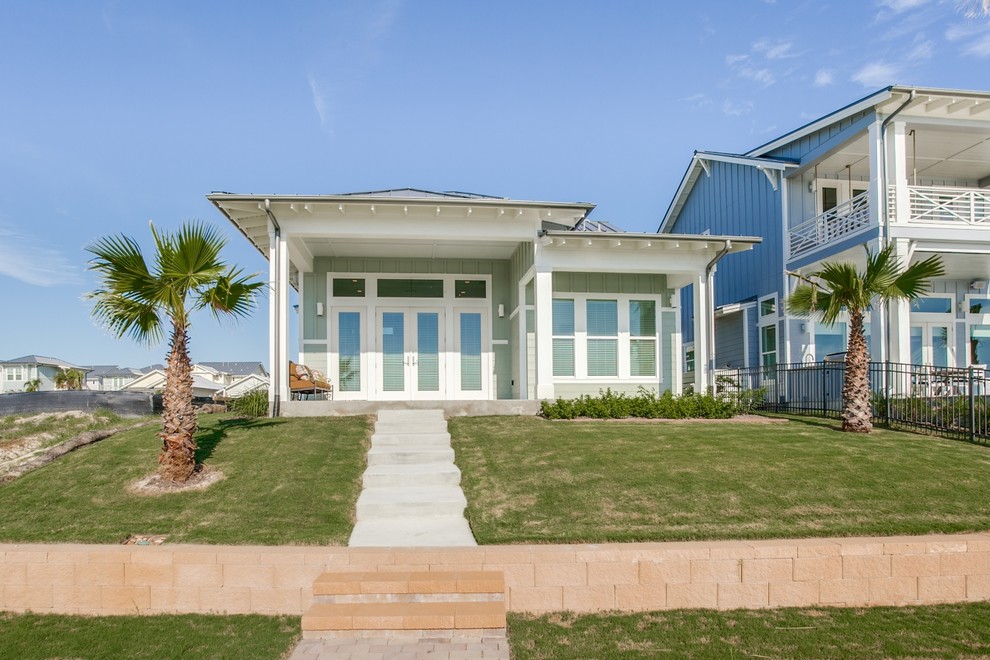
[110,377]
[209,378]
[904,167]
[244,385]
[17,373]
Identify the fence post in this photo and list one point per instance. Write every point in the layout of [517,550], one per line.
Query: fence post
[886,393]
[972,407]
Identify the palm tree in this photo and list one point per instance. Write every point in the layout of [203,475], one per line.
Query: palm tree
[68,379]
[135,300]
[839,287]
[32,385]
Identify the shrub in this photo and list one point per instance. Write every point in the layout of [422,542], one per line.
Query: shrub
[253,404]
[645,403]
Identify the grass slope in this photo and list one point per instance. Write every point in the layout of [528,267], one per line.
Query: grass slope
[531,480]
[29,636]
[287,481]
[939,631]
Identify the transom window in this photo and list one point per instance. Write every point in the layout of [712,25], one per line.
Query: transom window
[768,307]
[410,288]
[932,305]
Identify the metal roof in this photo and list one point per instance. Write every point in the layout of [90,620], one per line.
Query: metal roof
[234,368]
[42,360]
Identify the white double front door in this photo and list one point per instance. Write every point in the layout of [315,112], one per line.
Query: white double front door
[417,353]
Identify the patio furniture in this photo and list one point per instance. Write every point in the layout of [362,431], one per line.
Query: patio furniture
[305,382]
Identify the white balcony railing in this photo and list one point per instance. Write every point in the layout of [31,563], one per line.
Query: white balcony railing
[843,220]
[944,206]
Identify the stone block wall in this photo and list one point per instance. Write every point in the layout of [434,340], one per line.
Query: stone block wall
[95,579]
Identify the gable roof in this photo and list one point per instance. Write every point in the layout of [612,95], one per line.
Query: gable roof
[44,361]
[698,165]
[234,368]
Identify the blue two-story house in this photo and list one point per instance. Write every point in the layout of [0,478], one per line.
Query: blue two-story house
[904,166]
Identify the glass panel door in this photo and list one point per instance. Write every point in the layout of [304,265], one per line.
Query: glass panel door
[393,344]
[932,344]
[473,368]
[426,356]
[411,346]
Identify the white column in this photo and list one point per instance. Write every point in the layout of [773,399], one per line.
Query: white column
[897,172]
[278,316]
[900,315]
[877,193]
[702,319]
[522,363]
[543,288]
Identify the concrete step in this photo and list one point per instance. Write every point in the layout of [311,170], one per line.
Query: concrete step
[410,439]
[439,585]
[407,455]
[403,501]
[421,474]
[409,416]
[412,428]
[333,618]
[435,532]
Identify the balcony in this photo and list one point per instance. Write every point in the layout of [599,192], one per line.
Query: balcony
[843,220]
[956,207]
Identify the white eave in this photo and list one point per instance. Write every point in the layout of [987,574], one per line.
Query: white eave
[646,241]
[249,213]
[772,167]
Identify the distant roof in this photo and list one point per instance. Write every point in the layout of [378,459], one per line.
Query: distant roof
[42,360]
[97,370]
[152,367]
[234,368]
[407,193]
[586,224]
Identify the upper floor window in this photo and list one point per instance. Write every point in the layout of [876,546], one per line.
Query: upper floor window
[768,306]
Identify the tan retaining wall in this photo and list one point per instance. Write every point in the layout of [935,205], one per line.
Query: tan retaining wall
[97,579]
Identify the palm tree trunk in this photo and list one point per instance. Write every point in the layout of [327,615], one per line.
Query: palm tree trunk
[856,414]
[178,456]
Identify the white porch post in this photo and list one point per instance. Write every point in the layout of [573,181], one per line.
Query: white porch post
[278,316]
[897,174]
[522,316]
[900,315]
[702,318]
[543,288]
[877,194]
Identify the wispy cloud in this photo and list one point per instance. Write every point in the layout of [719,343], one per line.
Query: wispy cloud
[697,100]
[763,76]
[30,261]
[897,6]
[321,104]
[922,51]
[979,48]
[824,77]
[774,50]
[876,74]
[736,108]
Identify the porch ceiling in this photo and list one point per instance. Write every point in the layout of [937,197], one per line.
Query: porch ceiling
[958,265]
[950,153]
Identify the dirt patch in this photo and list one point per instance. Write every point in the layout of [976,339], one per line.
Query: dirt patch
[154,484]
[44,417]
[741,419]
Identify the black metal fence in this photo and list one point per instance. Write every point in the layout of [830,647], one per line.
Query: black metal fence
[946,401]
[127,404]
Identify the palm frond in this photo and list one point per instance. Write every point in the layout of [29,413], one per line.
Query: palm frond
[232,294]
[123,315]
[915,281]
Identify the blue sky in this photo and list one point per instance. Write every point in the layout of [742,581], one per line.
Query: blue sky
[116,113]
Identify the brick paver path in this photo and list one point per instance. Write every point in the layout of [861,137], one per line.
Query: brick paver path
[396,648]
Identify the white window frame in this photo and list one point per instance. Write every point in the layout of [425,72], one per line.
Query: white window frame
[571,337]
[766,320]
[581,337]
[14,373]
[689,348]
[983,318]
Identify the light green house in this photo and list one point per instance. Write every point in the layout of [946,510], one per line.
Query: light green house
[415,295]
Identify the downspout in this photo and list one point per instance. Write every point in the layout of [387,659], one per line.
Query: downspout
[885,224]
[277,338]
[710,330]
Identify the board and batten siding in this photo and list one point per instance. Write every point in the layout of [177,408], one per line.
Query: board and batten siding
[729,349]
[735,200]
[814,146]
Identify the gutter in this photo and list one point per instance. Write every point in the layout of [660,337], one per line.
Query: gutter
[276,325]
[710,329]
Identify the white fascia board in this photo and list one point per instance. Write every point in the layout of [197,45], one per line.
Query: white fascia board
[694,171]
[392,230]
[591,260]
[869,102]
[602,240]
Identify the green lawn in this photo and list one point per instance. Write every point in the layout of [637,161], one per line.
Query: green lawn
[939,631]
[29,636]
[288,481]
[532,480]
[48,429]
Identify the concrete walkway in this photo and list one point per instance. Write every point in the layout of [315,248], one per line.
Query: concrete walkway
[394,648]
[412,495]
